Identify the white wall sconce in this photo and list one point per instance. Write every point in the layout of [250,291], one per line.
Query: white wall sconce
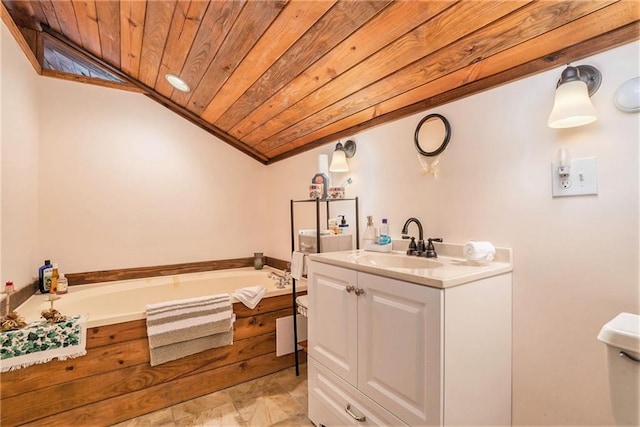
[572,106]
[340,156]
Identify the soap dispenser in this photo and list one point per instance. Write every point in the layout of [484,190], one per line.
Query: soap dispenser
[369,237]
[344,227]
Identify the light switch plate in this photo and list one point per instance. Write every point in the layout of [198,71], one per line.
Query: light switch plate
[582,180]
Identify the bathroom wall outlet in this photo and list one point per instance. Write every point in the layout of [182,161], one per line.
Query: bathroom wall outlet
[581,181]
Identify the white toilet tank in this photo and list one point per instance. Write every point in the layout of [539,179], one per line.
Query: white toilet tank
[622,336]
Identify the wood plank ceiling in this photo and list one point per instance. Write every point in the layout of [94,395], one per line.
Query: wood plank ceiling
[275,78]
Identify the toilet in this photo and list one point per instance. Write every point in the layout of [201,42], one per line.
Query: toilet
[622,338]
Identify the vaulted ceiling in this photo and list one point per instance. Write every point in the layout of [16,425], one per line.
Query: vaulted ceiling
[274,78]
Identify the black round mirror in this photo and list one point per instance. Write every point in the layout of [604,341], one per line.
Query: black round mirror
[432,135]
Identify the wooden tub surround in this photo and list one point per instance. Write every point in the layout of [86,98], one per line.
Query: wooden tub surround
[114,381]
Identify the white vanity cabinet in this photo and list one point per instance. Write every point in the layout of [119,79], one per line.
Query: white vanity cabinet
[388,352]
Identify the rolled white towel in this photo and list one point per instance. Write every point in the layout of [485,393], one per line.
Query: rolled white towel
[480,252]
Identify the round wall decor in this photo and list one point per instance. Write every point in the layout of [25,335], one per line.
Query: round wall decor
[432,135]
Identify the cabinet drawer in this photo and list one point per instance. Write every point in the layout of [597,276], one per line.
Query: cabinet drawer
[330,399]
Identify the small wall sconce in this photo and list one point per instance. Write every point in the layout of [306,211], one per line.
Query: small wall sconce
[340,156]
[572,106]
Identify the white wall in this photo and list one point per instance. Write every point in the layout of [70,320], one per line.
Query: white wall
[576,258]
[124,182]
[19,164]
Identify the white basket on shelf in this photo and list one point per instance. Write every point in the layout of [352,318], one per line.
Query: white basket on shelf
[302,303]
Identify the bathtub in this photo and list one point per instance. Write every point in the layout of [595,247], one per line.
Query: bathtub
[114,381]
[125,300]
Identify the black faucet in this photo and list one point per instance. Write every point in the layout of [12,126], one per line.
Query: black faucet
[414,249]
[419,249]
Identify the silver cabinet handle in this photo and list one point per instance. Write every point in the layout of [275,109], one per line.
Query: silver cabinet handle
[627,355]
[350,289]
[359,419]
[359,291]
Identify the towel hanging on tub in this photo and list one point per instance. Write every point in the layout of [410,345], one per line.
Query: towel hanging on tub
[41,342]
[250,296]
[183,327]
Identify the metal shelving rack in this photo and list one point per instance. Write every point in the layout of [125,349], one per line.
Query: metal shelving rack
[318,202]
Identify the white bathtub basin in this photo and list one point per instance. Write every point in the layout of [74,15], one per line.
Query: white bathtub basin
[125,300]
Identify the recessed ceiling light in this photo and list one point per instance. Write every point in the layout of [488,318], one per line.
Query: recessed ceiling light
[177,82]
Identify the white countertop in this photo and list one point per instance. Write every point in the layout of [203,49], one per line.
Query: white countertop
[447,270]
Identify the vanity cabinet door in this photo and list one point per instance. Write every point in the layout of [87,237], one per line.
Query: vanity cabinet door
[400,348]
[332,326]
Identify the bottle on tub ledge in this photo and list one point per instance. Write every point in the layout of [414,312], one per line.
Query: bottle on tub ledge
[63,285]
[44,276]
[54,279]
[258,260]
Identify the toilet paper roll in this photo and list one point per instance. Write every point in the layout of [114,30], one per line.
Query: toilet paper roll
[479,251]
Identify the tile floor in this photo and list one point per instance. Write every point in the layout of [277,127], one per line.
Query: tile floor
[278,399]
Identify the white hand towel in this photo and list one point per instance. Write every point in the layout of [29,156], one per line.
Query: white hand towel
[480,252]
[298,267]
[250,296]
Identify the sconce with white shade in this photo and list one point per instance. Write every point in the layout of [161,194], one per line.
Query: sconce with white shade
[572,106]
[340,156]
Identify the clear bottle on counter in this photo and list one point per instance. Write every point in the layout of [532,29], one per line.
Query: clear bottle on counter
[369,237]
[384,238]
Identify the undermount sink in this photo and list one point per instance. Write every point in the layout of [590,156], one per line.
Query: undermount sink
[396,261]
